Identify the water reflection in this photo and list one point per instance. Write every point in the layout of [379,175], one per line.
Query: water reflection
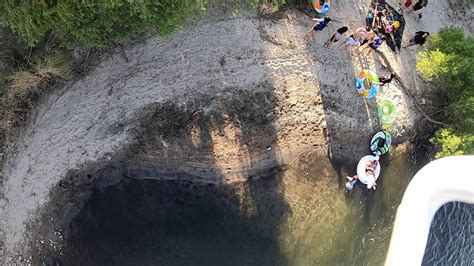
[450,241]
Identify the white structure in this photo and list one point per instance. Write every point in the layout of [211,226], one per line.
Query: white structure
[441,181]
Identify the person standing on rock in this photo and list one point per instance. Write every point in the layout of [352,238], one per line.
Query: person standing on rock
[419,38]
[406,5]
[319,26]
[336,36]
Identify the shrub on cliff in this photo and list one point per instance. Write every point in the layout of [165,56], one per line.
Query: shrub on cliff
[95,23]
[100,22]
[448,64]
[451,143]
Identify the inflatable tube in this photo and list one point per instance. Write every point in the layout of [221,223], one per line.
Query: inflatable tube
[361,170]
[376,145]
[386,112]
[321,9]
[367,83]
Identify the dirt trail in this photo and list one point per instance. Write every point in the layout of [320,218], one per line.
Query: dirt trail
[309,89]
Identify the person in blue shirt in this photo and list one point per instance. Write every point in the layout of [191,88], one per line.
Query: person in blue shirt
[375,44]
[319,26]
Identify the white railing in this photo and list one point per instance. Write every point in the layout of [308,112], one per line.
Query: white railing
[441,181]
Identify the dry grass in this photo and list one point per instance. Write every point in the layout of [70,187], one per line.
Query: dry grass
[23,90]
[268,9]
[48,68]
[24,84]
[22,81]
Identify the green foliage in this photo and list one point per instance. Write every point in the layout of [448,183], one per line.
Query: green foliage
[426,61]
[448,64]
[451,143]
[95,23]
[98,23]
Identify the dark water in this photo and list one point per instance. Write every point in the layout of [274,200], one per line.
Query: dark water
[168,223]
[307,219]
[451,239]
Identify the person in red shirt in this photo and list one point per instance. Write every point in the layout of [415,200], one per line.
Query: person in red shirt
[406,5]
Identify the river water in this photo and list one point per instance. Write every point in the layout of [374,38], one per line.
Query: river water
[303,217]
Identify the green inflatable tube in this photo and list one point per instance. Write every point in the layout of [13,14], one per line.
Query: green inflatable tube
[386,112]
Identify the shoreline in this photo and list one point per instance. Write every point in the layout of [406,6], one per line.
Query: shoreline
[240,94]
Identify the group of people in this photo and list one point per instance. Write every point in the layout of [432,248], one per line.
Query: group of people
[381,23]
[369,38]
[359,37]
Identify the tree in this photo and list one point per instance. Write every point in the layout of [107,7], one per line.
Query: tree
[95,23]
[448,64]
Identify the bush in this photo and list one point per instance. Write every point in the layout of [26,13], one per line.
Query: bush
[95,23]
[451,143]
[448,64]
[100,23]
[24,87]
[43,70]
[23,80]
